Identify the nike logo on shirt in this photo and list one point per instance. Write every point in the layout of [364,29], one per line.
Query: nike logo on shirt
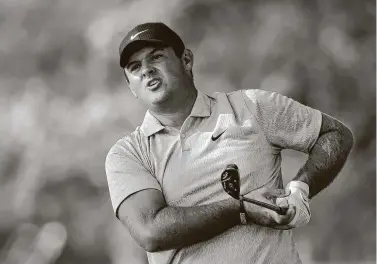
[215,138]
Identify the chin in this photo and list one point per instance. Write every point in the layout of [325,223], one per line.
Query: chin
[160,98]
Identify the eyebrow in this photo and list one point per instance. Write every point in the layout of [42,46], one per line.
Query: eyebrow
[149,53]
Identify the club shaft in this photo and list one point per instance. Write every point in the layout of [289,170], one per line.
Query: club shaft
[275,208]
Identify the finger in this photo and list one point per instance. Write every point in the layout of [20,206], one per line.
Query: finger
[282,202]
[286,218]
[291,212]
[286,193]
[278,219]
[262,217]
[282,227]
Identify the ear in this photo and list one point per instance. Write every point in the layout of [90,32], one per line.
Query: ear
[187,60]
[128,83]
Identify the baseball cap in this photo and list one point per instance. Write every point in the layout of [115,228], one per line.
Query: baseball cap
[146,33]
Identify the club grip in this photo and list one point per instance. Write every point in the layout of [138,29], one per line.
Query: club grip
[278,209]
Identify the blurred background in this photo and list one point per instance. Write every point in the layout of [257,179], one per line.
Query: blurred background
[64,102]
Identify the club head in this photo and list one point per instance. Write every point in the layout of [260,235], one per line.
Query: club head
[232,166]
[230,180]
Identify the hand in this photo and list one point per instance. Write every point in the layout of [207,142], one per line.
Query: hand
[298,198]
[266,217]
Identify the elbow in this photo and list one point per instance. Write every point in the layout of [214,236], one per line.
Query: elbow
[149,245]
[348,139]
[146,238]
[149,241]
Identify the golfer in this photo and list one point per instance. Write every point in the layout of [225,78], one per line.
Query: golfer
[164,177]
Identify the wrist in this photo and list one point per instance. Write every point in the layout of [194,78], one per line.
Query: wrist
[233,211]
[243,216]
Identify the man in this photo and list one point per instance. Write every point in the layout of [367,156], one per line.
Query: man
[164,178]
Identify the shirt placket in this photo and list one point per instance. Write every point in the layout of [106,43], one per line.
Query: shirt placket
[185,133]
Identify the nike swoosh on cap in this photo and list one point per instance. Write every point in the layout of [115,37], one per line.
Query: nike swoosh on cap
[136,34]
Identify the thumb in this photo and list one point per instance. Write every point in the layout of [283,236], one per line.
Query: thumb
[282,202]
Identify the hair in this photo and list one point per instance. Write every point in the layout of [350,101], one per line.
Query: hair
[177,52]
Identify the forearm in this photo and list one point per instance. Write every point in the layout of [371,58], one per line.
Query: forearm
[176,227]
[327,156]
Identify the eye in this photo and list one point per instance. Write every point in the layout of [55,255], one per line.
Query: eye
[135,67]
[156,56]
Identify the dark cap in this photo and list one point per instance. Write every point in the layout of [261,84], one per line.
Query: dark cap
[143,34]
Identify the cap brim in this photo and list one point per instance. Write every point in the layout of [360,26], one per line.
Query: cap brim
[133,47]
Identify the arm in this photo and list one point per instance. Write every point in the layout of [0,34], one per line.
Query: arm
[287,124]
[156,226]
[139,203]
[327,156]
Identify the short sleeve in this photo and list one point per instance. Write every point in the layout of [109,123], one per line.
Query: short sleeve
[286,123]
[126,173]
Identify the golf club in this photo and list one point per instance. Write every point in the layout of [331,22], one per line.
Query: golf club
[230,180]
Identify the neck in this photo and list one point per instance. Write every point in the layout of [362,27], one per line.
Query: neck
[176,114]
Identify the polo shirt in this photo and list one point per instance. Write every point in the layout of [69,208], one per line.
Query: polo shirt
[186,164]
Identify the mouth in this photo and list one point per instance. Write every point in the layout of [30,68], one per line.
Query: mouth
[154,83]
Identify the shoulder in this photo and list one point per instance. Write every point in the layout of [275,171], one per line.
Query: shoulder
[228,96]
[248,94]
[128,144]
[251,98]
[258,95]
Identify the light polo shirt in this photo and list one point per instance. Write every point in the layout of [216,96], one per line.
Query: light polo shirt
[250,128]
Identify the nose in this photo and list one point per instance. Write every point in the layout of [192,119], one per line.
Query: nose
[148,70]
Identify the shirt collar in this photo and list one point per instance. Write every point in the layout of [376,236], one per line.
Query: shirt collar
[150,125]
[201,108]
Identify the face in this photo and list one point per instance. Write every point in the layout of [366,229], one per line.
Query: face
[156,75]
